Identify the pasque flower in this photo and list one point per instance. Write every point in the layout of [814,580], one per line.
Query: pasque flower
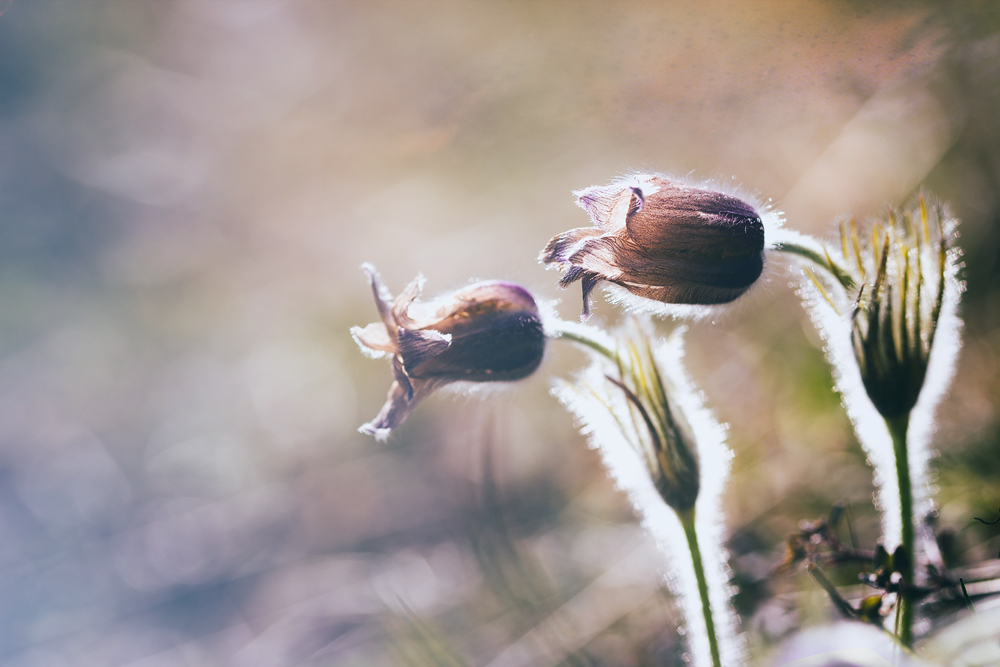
[903,273]
[664,448]
[886,304]
[486,332]
[893,288]
[662,240]
[643,403]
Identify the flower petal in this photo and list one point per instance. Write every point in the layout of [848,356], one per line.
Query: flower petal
[666,277]
[399,404]
[563,245]
[600,256]
[607,205]
[383,299]
[401,377]
[684,293]
[593,261]
[374,340]
[418,346]
[696,222]
[401,305]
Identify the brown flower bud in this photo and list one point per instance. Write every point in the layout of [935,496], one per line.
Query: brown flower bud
[486,332]
[662,240]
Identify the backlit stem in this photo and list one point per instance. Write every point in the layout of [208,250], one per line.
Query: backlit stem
[820,259]
[687,520]
[587,341]
[897,428]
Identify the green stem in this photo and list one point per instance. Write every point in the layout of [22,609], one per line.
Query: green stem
[687,520]
[587,342]
[824,260]
[897,429]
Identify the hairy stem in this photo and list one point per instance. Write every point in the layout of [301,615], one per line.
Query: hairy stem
[820,259]
[897,428]
[588,342]
[687,520]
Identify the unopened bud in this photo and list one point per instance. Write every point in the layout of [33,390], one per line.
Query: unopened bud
[902,268]
[486,332]
[664,241]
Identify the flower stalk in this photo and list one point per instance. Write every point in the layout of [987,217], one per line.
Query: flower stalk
[897,429]
[819,256]
[687,520]
[664,449]
[585,336]
[884,301]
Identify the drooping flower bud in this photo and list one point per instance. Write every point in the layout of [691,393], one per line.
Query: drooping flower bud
[664,241]
[486,332]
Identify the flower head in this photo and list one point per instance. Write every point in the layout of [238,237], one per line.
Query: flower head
[667,452]
[631,397]
[902,272]
[660,428]
[662,240]
[885,299]
[486,332]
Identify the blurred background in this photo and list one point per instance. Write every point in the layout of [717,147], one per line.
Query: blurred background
[187,191]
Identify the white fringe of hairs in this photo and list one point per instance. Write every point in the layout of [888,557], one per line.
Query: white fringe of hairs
[596,403]
[834,326]
[940,373]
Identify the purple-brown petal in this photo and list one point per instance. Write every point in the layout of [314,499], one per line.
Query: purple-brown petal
[416,346]
[496,335]
[401,304]
[696,222]
[609,205]
[588,282]
[562,246]
[383,299]
[399,404]
[600,256]
[401,376]
[598,201]
[594,260]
